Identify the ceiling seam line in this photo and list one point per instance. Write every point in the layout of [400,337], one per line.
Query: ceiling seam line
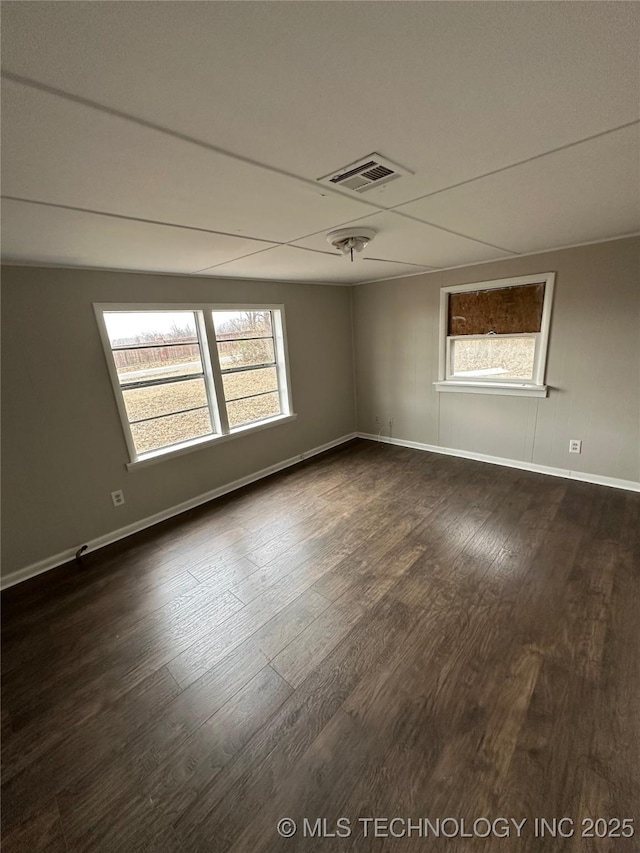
[563,248]
[140,219]
[239,258]
[402,263]
[26,262]
[450,231]
[376,208]
[35,84]
[273,244]
[61,93]
[40,265]
[306,249]
[380,260]
[405,216]
[321,189]
[518,163]
[339,225]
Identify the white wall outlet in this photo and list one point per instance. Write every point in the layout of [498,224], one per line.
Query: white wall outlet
[575,445]
[117,497]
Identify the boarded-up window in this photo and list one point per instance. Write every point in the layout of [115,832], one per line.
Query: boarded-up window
[504,310]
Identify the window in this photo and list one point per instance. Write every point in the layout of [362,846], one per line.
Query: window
[253,381]
[493,336]
[184,376]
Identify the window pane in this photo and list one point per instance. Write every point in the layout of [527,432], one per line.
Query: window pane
[152,435]
[249,382]
[126,328]
[502,358]
[244,353]
[252,409]
[242,324]
[157,362]
[163,399]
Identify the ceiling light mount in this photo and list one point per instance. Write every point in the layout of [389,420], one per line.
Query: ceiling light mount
[350,240]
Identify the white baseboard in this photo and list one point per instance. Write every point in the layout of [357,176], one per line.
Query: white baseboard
[613,482]
[67,555]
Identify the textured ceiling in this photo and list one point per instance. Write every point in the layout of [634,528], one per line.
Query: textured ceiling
[188,136]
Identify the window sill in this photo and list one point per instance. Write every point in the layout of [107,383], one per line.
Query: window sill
[501,388]
[207,441]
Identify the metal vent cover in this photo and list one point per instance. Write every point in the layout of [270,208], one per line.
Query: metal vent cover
[365,174]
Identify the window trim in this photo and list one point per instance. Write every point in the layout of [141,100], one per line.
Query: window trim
[534,387]
[203,312]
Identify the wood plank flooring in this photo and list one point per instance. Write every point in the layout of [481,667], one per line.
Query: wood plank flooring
[377,632]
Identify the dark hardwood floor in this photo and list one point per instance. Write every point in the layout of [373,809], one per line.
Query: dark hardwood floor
[378,632]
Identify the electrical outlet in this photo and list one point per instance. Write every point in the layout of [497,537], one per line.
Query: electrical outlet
[575,445]
[117,497]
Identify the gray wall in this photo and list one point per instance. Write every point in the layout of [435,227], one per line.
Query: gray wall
[62,441]
[593,365]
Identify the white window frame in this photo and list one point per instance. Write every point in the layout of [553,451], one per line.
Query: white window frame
[534,387]
[212,374]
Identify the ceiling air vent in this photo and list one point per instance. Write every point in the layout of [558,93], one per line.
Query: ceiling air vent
[364,174]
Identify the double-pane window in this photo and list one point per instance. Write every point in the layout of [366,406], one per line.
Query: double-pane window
[182,376]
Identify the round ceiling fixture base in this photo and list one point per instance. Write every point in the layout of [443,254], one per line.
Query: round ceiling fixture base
[350,240]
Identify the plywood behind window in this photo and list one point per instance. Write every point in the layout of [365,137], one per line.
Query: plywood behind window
[503,310]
